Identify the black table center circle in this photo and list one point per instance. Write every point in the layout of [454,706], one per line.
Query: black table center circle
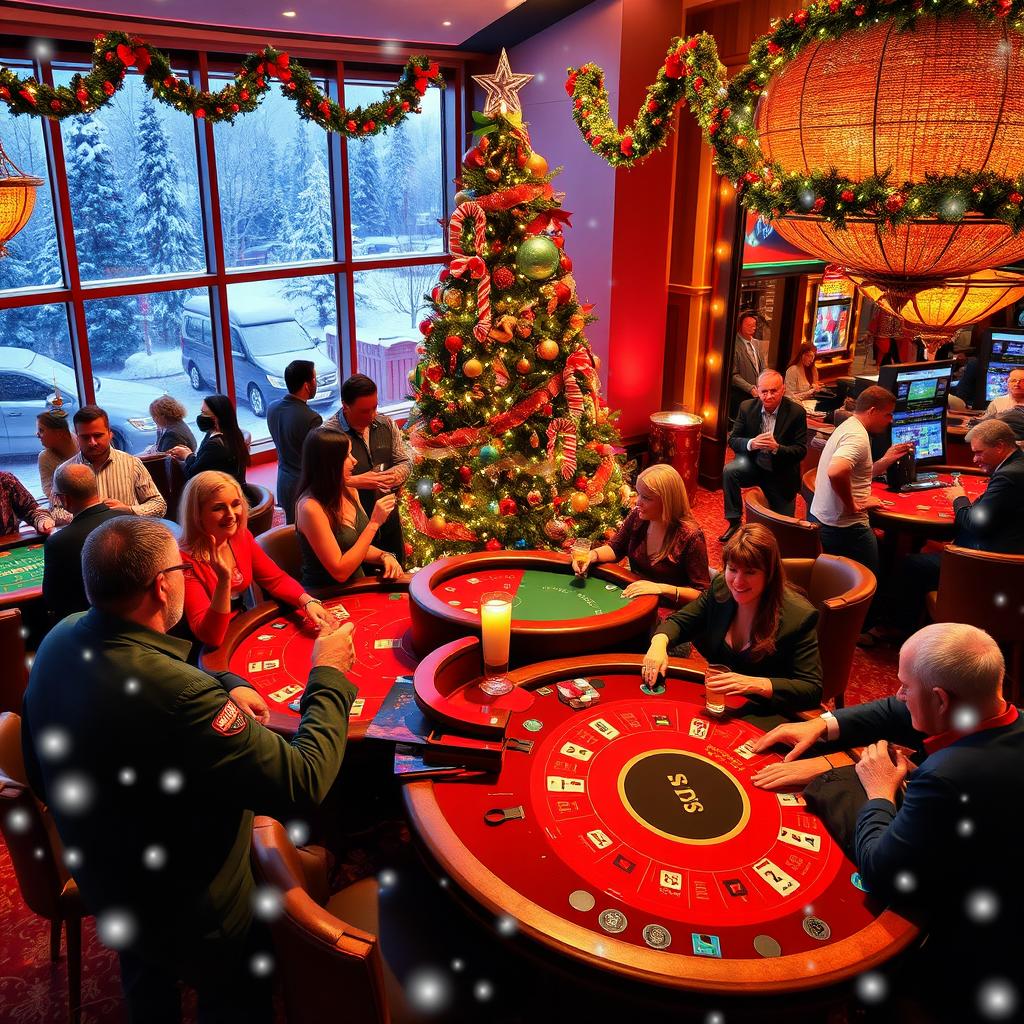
[683,797]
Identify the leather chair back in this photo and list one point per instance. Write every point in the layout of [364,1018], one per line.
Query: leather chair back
[261,508]
[797,538]
[14,676]
[330,970]
[282,544]
[807,482]
[841,590]
[970,585]
[169,478]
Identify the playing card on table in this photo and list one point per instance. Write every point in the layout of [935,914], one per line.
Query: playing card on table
[776,877]
[574,751]
[699,728]
[379,645]
[562,784]
[285,692]
[801,840]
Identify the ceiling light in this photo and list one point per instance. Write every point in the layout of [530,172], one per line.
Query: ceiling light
[447,24]
[287,14]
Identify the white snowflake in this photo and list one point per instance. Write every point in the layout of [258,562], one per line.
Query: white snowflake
[54,743]
[132,686]
[262,964]
[72,857]
[483,991]
[18,820]
[428,989]
[965,828]
[997,999]
[267,902]
[872,987]
[387,879]
[127,776]
[905,881]
[116,928]
[172,781]
[73,793]
[507,925]
[982,906]
[298,832]
[154,857]
[965,719]
[458,964]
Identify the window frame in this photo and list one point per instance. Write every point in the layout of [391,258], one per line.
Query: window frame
[202,52]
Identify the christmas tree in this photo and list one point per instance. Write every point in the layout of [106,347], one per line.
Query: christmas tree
[513,444]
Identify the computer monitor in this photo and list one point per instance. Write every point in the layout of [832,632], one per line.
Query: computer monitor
[1003,351]
[926,428]
[918,385]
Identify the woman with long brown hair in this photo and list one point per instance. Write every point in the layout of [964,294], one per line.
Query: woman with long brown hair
[802,375]
[753,623]
[335,534]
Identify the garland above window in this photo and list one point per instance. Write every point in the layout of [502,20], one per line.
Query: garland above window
[725,112]
[115,52]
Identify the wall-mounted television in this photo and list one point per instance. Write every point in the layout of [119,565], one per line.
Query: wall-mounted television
[833,312]
[1001,351]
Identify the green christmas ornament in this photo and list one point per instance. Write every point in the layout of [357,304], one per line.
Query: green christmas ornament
[488,454]
[537,258]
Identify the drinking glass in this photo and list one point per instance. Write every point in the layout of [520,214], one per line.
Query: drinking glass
[496,634]
[580,554]
[713,704]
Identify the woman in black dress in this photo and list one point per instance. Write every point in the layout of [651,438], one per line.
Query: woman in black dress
[223,447]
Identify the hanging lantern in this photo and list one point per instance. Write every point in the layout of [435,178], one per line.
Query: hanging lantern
[944,99]
[940,312]
[17,198]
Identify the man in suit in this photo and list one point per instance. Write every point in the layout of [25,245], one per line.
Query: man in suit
[289,421]
[992,523]
[63,589]
[929,847]
[769,437]
[747,361]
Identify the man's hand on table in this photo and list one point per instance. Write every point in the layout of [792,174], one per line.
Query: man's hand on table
[251,703]
[789,774]
[335,650]
[799,735]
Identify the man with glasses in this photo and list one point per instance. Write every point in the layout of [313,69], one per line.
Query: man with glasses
[769,437]
[154,769]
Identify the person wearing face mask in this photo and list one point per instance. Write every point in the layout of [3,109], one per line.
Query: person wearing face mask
[335,534]
[161,769]
[171,429]
[226,559]
[751,621]
[223,447]
[662,540]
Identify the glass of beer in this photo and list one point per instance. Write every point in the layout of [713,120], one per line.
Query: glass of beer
[580,554]
[713,703]
[496,637]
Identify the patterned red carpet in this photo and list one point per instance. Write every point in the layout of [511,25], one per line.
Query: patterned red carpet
[32,990]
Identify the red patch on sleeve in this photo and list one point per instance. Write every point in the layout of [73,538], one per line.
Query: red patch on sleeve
[229,720]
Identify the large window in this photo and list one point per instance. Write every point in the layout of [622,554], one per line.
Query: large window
[136,281]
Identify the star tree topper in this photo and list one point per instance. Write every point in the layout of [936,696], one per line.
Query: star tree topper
[502,88]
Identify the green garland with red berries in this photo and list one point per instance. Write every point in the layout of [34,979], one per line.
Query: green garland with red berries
[115,52]
[724,110]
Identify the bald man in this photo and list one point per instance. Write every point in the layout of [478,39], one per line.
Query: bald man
[939,832]
[769,437]
[1013,399]
[74,487]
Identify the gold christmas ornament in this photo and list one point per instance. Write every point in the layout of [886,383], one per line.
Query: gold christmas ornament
[547,349]
[472,368]
[579,502]
[536,165]
[438,522]
[453,298]
[537,258]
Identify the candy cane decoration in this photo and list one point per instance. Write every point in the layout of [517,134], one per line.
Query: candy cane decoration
[461,263]
[563,430]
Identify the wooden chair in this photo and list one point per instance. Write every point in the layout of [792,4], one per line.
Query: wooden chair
[984,589]
[797,538]
[807,482]
[37,857]
[14,676]
[841,590]
[261,508]
[282,544]
[327,949]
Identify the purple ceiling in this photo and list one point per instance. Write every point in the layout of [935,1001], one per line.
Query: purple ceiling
[454,23]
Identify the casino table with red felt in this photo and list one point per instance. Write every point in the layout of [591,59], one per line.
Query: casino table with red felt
[928,512]
[272,649]
[554,612]
[629,834]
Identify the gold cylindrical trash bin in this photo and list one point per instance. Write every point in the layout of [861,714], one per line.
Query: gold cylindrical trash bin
[675,439]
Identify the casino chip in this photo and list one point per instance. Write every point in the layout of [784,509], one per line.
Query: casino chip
[657,937]
[612,921]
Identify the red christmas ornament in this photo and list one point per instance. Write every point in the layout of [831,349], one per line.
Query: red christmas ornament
[652,106]
[437,488]
[434,373]
[800,18]
[846,195]
[547,410]
[626,145]
[1015,197]
[580,483]
[493,544]
[859,10]
[436,425]
[819,205]
[565,263]
[108,88]
[453,343]
[534,498]
[465,474]
[896,202]
[426,326]
[508,507]
[503,278]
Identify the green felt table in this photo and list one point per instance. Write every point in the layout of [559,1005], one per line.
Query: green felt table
[21,570]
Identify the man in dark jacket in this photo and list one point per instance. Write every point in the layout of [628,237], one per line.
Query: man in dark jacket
[154,769]
[289,421]
[932,847]
[769,437]
[75,488]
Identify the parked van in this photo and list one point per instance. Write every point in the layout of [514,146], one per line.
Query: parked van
[265,338]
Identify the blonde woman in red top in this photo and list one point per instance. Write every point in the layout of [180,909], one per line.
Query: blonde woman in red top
[226,559]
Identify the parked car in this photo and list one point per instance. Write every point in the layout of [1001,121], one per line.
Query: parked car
[27,382]
[265,338]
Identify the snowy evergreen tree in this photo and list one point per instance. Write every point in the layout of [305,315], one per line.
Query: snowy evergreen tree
[401,201]
[300,155]
[312,240]
[169,243]
[102,226]
[367,189]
